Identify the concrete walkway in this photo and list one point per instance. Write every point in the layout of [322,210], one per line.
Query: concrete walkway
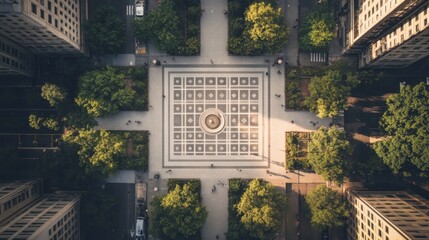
[291,12]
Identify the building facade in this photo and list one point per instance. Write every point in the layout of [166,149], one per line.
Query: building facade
[54,216]
[366,25]
[16,195]
[387,215]
[15,59]
[43,26]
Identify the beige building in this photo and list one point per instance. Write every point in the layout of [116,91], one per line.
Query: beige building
[15,59]
[54,216]
[16,195]
[366,28]
[44,26]
[387,215]
[401,46]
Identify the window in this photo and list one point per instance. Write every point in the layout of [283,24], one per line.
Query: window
[387,229]
[50,18]
[33,8]
[42,14]
[42,2]
[49,5]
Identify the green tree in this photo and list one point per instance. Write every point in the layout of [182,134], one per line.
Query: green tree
[104,92]
[160,26]
[106,32]
[329,93]
[99,150]
[178,215]
[318,29]
[406,123]
[261,209]
[328,153]
[266,25]
[326,207]
[53,94]
[37,122]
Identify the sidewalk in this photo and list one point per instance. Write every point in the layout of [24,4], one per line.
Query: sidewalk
[290,9]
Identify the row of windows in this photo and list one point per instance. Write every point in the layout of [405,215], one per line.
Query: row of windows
[12,51]
[391,40]
[25,195]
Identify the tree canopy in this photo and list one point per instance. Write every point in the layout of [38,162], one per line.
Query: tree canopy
[255,28]
[328,153]
[318,29]
[106,32]
[163,27]
[266,26]
[261,209]
[53,94]
[104,92]
[99,150]
[326,207]
[406,122]
[178,215]
[329,93]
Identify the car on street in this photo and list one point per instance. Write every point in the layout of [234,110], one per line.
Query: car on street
[140,229]
[140,8]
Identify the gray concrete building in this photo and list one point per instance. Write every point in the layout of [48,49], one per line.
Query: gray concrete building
[387,215]
[44,26]
[16,195]
[15,59]
[53,216]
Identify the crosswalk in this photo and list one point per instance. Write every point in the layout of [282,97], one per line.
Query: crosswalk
[317,57]
[130,10]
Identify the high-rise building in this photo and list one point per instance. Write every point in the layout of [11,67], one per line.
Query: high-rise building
[387,215]
[379,31]
[16,195]
[53,216]
[43,26]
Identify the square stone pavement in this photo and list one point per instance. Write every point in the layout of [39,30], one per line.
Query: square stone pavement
[239,95]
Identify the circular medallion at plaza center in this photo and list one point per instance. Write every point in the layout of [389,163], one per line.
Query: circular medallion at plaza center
[212,121]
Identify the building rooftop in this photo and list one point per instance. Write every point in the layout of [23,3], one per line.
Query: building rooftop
[8,188]
[406,211]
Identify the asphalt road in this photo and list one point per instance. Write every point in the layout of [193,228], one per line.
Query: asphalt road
[124,212]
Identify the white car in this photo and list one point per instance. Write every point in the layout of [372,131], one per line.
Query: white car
[140,228]
[140,7]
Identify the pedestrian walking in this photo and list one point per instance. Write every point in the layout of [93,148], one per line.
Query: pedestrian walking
[279,72]
[211,60]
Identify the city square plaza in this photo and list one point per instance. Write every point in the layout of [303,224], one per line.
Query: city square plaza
[215,117]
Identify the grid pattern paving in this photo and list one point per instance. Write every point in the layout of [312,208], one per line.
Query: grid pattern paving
[239,95]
